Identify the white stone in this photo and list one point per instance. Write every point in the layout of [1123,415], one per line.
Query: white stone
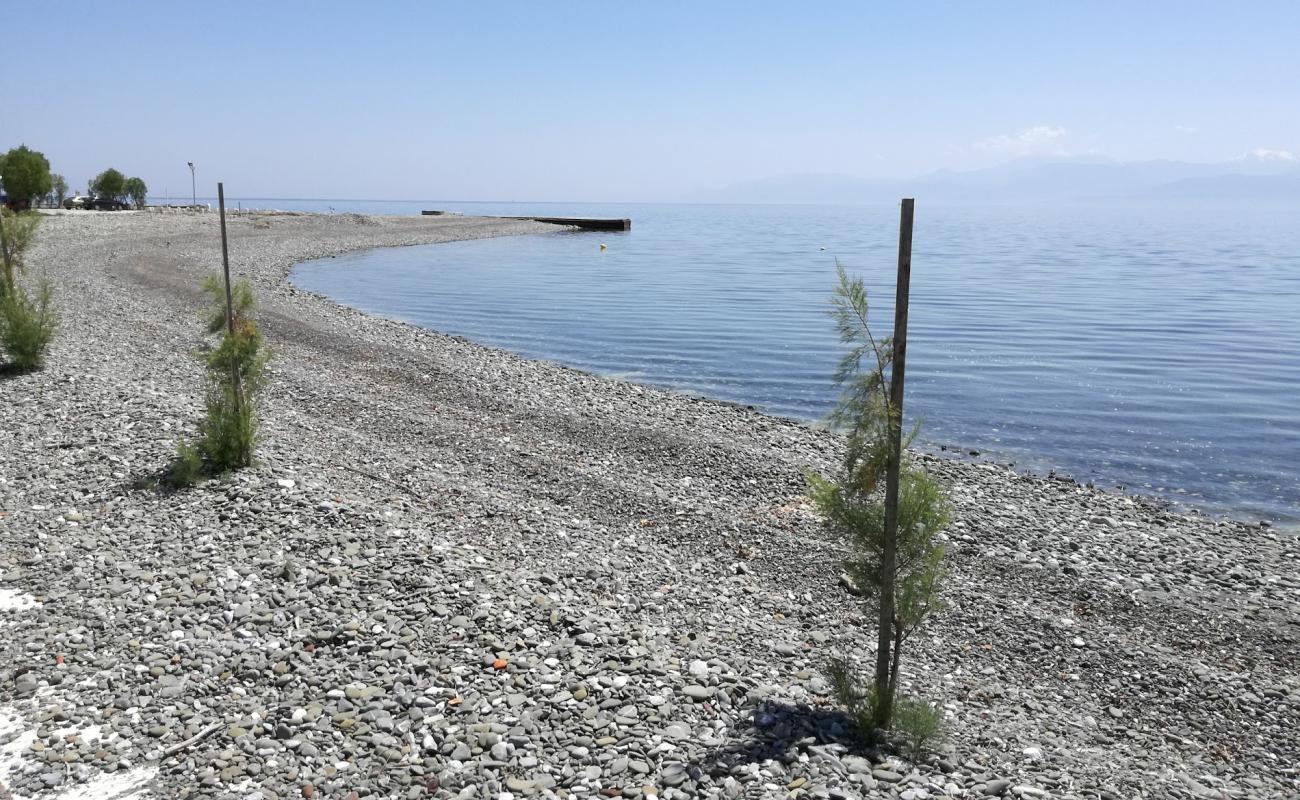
[13,600]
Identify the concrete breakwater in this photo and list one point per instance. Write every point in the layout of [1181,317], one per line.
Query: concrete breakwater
[460,572]
[582,223]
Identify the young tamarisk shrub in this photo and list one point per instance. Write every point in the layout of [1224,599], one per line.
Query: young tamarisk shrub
[186,468]
[27,322]
[853,507]
[27,325]
[235,377]
[17,231]
[918,724]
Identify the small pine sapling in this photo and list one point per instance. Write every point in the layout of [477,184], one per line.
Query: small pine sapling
[17,232]
[234,381]
[27,325]
[853,507]
[27,322]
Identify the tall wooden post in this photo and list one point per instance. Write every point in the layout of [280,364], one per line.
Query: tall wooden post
[889,558]
[230,302]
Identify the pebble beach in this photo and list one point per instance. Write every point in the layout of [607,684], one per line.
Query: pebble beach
[457,572]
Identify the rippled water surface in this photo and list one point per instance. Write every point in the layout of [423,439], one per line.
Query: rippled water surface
[1156,350]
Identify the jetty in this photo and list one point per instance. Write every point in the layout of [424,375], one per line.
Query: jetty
[586,223]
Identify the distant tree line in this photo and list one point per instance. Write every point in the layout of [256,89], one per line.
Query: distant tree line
[27,315]
[26,178]
[115,186]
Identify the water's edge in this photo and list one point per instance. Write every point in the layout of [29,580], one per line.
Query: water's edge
[945,450]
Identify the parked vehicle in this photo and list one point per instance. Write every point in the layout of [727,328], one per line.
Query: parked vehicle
[105,204]
[74,202]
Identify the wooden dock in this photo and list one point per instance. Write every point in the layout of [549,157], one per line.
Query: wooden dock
[586,223]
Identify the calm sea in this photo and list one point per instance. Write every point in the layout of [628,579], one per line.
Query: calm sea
[1157,350]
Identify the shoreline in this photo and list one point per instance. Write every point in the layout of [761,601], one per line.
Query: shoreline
[942,450]
[665,534]
[1041,468]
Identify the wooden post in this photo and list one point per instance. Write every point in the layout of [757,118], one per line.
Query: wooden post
[889,558]
[230,302]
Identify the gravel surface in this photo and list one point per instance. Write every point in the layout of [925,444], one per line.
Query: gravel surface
[456,572]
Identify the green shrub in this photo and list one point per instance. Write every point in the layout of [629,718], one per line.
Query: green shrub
[235,371]
[857,698]
[241,296]
[916,725]
[187,467]
[27,325]
[17,231]
[234,379]
[851,503]
[229,431]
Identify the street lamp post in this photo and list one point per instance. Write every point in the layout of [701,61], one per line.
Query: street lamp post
[194,198]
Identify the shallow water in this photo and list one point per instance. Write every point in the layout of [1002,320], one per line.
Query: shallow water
[1158,351]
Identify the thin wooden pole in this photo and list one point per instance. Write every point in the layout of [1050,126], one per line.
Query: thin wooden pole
[889,556]
[230,301]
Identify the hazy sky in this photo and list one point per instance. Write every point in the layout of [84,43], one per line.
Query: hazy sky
[631,101]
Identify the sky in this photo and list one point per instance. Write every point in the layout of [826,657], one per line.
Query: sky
[632,101]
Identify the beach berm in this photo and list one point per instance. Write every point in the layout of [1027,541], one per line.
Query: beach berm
[457,572]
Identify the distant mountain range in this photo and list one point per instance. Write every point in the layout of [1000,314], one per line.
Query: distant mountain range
[1272,179]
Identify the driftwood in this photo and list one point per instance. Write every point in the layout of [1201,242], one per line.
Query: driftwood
[193,740]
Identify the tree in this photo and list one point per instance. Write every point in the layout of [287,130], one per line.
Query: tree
[853,508]
[110,183]
[25,174]
[136,189]
[59,189]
